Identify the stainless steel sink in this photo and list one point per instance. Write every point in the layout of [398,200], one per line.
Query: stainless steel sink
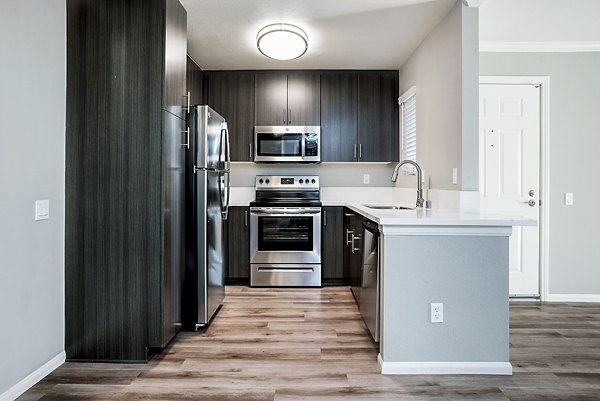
[389,207]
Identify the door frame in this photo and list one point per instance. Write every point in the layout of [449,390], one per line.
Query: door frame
[544,83]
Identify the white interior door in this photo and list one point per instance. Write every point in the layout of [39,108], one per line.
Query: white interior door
[509,166]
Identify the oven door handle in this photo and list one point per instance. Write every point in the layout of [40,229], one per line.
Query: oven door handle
[285,212]
[261,214]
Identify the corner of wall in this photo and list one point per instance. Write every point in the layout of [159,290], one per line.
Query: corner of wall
[470,98]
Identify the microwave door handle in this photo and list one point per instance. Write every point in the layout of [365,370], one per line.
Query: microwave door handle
[303,145]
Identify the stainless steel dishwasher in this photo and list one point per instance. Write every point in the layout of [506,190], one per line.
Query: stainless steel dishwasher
[369,293]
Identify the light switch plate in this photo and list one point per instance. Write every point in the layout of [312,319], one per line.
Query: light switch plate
[42,209]
[568,198]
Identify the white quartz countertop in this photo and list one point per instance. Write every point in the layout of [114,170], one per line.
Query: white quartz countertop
[429,217]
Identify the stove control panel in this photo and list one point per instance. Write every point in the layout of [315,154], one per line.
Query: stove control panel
[287,181]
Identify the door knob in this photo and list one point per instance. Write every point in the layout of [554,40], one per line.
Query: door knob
[531,203]
[531,192]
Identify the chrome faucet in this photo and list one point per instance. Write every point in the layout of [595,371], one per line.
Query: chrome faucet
[420,199]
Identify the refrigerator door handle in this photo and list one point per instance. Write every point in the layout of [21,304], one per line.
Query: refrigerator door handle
[227,149]
[225,201]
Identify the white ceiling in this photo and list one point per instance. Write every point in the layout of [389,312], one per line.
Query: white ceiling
[343,34]
[539,21]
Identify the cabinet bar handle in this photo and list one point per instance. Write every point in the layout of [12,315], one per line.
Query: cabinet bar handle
[250,154]
[324,217]
[188,103]
[289,116]
[187,143]
[284,116]
[360,151]
[354,238]
[351,233]
[355,151]
[245,218]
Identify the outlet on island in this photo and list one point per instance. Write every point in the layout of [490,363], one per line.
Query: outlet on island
[366,178]
[437,312]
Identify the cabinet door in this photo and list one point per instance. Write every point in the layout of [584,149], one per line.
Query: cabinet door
[238,241]
[271,98]
[332,243]
[173,225]
[352,250]
[378,117]
[195,82]
[339,125]
[231,94]
[304,98]
[174,96]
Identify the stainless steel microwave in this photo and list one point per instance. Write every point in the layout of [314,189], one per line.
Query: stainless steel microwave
[287,144]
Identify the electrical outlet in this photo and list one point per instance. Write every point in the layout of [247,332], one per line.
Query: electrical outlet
[366,178]
[454,175]
[568,199]
[437,312]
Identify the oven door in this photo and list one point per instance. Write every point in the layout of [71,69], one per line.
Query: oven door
[285,235]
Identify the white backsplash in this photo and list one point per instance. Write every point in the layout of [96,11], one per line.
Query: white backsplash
[464,201]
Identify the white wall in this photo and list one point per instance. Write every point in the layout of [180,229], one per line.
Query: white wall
[574,162]
[444,68]
[330,174]
[32,142]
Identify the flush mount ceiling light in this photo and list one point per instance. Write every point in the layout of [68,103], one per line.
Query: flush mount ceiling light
[282,41]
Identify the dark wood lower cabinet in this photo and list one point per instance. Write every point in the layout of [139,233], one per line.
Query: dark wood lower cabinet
[238,244]
[332,245]
[352,254]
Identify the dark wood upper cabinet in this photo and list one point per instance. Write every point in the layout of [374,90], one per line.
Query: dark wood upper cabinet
[271,98]
[231,94]
[332,244]
[287,98]
[175,95]
[378,117]
[339,123]
[357,110]
[304,100]
[196,82]
[238,243]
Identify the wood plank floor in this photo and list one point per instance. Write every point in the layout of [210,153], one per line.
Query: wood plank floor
[311,344]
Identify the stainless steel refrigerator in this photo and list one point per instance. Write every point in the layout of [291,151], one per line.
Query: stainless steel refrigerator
[207,202]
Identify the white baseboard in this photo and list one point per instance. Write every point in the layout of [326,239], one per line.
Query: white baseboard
[444,368]
[35,376]
[573,298]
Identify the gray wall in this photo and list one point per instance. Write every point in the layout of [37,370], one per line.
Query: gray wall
[330,174]
[32,142]
[444,70]
[469,275]
[574,162]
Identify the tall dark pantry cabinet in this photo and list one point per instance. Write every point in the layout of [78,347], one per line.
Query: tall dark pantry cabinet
[126,62]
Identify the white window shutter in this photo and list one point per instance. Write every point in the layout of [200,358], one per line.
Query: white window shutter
[408,104]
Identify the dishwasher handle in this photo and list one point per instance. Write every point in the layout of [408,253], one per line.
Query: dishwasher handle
[371,227]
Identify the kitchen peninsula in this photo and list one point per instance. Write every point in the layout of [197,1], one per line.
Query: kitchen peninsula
[459,260]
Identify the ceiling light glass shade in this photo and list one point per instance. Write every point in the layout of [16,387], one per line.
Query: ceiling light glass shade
[282,41]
